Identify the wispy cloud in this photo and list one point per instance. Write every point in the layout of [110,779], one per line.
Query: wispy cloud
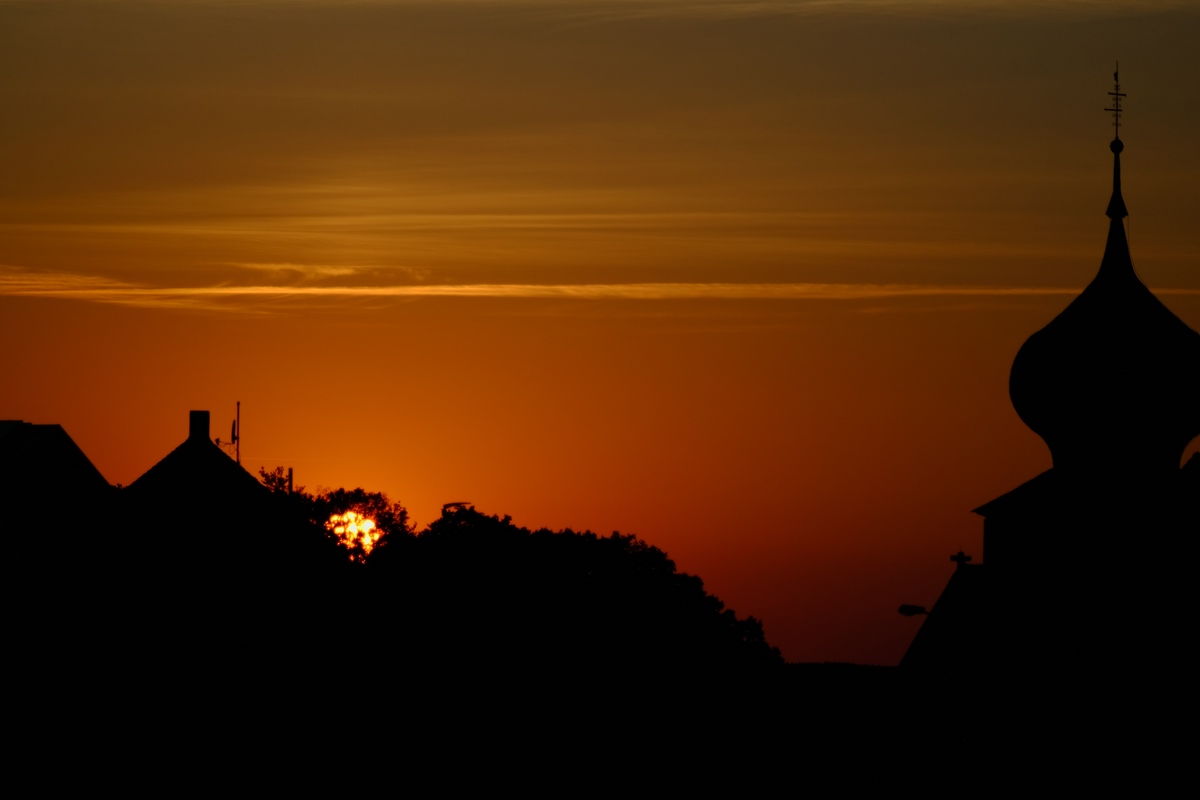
[318,272]
[303,270]
[27,283]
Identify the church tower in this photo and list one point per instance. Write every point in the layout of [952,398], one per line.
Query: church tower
[1084,566]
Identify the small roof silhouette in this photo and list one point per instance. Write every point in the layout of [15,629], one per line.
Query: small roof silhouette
[197,470]
[1034,493]
[951,635]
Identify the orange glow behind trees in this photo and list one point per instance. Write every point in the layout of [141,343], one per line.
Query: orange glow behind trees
[355,532]
[201,199]
[356,518]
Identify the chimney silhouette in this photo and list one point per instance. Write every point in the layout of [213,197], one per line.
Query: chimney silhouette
[198,425]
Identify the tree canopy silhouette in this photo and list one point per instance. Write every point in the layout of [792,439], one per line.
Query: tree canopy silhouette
[388,518]
[473,588]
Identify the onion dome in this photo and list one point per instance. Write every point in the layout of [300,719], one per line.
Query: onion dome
[1112,384]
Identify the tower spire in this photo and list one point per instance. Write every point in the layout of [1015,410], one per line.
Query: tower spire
[1116,206]
[1116,94]
[1111,383]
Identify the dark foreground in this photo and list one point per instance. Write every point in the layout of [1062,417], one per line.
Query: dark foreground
[161,641]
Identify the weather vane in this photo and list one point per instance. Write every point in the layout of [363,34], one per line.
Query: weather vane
[1116,94]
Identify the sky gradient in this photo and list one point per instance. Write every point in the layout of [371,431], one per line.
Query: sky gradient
[743,279]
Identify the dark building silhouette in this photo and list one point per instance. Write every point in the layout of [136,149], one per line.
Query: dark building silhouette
[221,522]
[40,463]
[1086,566]
[198,563]
[197,472]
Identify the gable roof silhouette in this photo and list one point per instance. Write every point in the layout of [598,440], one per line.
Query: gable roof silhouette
[198,472]
[37,461]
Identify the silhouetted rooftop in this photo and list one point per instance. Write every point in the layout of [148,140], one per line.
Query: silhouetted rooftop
[36,459]
[197,469]
[953,634]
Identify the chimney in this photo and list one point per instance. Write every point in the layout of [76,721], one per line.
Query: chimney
[198,425]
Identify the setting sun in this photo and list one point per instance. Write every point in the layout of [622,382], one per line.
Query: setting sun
[354,530]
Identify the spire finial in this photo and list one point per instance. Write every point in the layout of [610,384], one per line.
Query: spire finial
[1116,94]
[1116,206]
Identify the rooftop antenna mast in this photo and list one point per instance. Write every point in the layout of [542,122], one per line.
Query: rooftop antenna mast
[1116,94]
[235,436]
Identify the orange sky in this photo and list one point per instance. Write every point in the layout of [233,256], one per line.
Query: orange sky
[742,279]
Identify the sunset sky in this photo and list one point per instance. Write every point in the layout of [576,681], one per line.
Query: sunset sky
[742,278]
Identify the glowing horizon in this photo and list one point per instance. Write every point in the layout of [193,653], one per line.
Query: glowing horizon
[744,279]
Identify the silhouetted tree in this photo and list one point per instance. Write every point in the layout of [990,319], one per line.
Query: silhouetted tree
[475,588]
[388,518]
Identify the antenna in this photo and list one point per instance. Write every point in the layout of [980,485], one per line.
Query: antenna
[235,436]
[1116,94]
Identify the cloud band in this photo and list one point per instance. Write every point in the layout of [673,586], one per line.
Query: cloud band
[26,283]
